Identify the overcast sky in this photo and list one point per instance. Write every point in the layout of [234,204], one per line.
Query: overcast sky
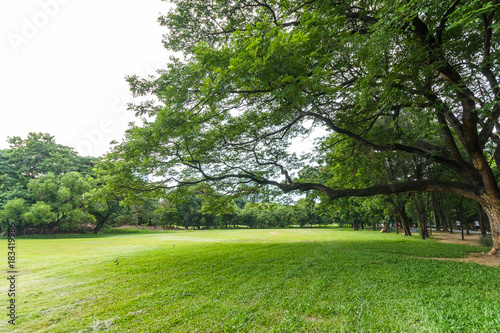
[63,63]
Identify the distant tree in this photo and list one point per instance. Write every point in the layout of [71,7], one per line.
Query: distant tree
[10,185]
[65,196]
[52,203]
[40,214]
[39,154]
[106,207]
[14,212]
[35,156]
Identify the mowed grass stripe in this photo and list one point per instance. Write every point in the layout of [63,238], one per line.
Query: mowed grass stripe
[297,280]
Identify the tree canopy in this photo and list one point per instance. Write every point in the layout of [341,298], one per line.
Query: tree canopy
[33,157]
[409,84]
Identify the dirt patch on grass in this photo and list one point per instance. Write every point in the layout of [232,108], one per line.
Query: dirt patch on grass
[456,238]
[477,258]
[472,239]
[146,227]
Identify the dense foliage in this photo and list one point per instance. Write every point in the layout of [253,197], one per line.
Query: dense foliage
[46,187]
[410,87]
[43,185]
[30,158]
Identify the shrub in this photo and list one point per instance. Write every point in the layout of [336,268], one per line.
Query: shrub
[486,241]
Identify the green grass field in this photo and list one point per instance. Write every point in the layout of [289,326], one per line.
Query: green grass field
[298,280]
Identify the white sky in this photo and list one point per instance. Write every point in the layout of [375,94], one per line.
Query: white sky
[63,62]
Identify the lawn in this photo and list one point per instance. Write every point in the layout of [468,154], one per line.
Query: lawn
[296,280]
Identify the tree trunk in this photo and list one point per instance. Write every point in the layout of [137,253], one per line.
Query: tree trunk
[442,212]
[98,227]
[482,225]
[395,219]
[406,224]
[404,220]
[461,217]
[100,224]
[399,205]
[492,210]
[436,215]
[421,212]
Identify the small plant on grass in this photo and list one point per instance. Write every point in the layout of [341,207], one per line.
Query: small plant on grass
[486,241]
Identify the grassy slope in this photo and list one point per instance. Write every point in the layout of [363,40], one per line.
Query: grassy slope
[301,280]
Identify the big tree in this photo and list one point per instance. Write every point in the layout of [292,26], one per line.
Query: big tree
[415,78]
[33,157]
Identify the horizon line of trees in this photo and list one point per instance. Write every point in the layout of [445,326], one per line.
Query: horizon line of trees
[47,188]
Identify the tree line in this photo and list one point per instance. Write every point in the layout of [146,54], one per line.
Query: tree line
[46,187]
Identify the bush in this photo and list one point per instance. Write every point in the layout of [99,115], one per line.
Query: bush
[486,241]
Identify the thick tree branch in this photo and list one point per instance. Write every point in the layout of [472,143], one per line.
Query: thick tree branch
[442,110]
[362,17]
[461,189]
[389,147]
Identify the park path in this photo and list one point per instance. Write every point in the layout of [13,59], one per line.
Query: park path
[471,239]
